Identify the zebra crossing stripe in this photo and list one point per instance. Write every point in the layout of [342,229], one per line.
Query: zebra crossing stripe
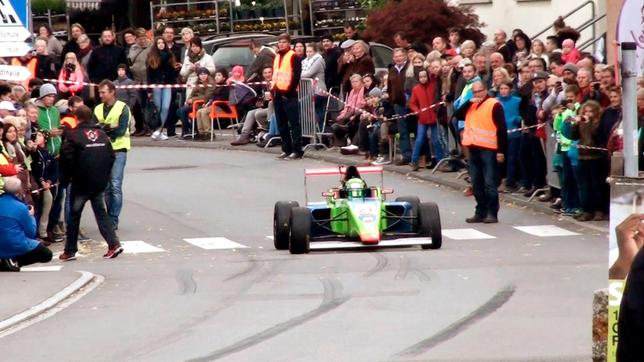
[139,246]
[466,234]
[216,243]
[545,230]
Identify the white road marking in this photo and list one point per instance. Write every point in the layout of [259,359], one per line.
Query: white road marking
[466,234]
[269,237]
[545,230]
[321,245]
[52,305]
[49,268]
[138,246]
[215,243]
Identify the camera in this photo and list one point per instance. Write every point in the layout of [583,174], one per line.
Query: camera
[70,67]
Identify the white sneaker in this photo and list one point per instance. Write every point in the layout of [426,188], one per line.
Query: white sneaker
[156,134]
[163,137]
[381,161]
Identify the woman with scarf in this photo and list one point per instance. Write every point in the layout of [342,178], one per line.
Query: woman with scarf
[16,156]
[197,58]
[160,70]
[313,69]
[70,79]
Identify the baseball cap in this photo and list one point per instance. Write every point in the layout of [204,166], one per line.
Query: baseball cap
[540,75]
[347,44]
[7,106]
[570,67]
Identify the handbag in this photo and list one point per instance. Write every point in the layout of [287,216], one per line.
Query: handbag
[152,117]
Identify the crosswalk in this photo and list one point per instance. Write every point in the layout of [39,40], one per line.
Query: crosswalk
[221,243]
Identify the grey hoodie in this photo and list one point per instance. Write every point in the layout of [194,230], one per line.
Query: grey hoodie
[137,58]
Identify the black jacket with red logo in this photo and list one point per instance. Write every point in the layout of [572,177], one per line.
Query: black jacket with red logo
[86,158]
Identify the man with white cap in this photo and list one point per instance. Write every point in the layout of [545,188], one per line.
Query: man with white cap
[6,109]
[18,244]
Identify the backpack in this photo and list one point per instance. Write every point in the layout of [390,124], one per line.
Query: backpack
[152,116]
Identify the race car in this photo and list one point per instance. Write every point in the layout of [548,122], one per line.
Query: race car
[355,215]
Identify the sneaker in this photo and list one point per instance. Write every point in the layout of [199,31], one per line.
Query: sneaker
[584,216]
[156,134]
[557,203]
[67,257]
[163,137]
[9,265]
[53,238]
[414,166]
[475,219]
[82,237]
[600,216]
[468,191]
[490,219]
[113,252]
[381,161]
[570,212]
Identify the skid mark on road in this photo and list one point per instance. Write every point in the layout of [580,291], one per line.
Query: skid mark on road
[251,265]
[405,266]
[182,328]
[186,280]
[332,299]
[381,263]
[489,307]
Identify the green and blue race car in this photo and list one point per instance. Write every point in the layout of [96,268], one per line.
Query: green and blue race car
[355,215]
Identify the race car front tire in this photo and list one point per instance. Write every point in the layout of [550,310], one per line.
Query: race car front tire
[414,201]
[300,230]
[281,223]
[429,224]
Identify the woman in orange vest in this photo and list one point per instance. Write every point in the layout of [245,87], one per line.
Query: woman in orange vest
[485,135]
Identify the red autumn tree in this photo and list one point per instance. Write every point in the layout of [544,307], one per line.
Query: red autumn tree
[421,20]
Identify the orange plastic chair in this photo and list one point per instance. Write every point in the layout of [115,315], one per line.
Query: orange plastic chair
[222,110]
[193,115]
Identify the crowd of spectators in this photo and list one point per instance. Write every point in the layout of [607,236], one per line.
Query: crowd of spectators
[413,106]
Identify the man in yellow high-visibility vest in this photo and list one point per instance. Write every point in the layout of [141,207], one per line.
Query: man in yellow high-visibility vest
[114,117]
[287,69]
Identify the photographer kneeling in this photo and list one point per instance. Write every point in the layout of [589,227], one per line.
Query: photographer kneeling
[18,244]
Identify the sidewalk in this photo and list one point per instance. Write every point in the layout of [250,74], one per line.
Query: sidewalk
[25,289]
[440,178]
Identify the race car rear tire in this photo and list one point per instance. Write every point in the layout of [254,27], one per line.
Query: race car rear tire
[300,230]
[429,224]
[414,201]
[282,223]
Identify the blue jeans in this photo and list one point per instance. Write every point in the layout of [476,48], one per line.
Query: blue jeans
[374,139]
[272,126]
[403,131]
[114,192]
[431,131]
[569,182]
[320,106]
[162,98]
[186,123]
[512,161]
[484,176]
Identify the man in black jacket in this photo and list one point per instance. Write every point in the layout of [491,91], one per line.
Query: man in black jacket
[105,59]
[86,159]
[287,69]
[263,58]
[331,55]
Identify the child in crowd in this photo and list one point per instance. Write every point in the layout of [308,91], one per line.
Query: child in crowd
[511,105]
[568,153]
[569,53]
[127,95]
[45,173]
[202,92]
[592,162]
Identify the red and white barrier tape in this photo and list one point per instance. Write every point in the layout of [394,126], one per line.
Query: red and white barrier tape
[152,86]
[362,111]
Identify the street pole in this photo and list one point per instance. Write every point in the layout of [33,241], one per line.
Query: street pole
[629,108]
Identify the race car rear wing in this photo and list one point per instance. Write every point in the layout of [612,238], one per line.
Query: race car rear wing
[339,171]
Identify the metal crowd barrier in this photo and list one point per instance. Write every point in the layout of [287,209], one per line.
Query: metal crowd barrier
[308,122]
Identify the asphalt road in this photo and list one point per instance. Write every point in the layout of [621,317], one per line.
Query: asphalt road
[493,293]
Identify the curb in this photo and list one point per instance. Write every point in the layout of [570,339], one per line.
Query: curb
[339,159]
[12,324]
